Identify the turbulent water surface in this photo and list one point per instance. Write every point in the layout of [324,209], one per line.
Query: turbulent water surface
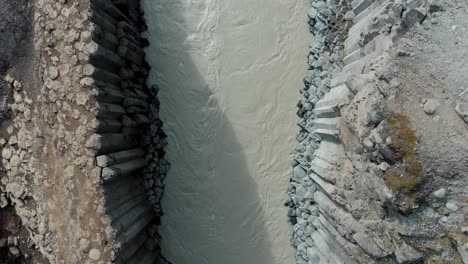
[229,73]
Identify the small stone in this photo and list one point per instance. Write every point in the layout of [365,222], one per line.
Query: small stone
[462,111]
[87,81]
[368,143]
[298,173]
[375,137]
[13,140]
[85,245]
[440,194]
[350,15]
[413,16]
[465,230]
[375,116]
[301,191]
[15,161]
[388,141]
[53,72]
[313,13]
[384,166]
[15,189]
[94,254]
[452,207]
[3,202]
[64,69]
[17,85]
[401,53]
[407,254]
[431,106]
[27,114]
[13,252]
[7,153]
[17,97]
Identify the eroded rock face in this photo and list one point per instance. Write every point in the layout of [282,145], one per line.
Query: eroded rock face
[373,200]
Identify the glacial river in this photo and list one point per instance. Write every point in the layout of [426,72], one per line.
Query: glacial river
[230,73]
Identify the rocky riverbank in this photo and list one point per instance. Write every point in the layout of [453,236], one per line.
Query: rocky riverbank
[364,188]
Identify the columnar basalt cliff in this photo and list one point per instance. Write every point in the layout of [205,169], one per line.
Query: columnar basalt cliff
[85,159]
[129,141]
[361,190]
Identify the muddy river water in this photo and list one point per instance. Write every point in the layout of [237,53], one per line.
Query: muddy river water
[229,73]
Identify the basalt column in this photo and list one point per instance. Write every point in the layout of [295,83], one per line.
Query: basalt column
[128,140]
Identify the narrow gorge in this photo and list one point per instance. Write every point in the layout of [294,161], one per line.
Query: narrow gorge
[217,131]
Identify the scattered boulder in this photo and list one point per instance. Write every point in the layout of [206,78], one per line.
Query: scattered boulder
[451,206]
[15,189]
[440,194]
[431,106]
[17,85]
[85,245]
[402,53]
[95,254]
[53,72]
[7,153]
[3,202]
[407,254]
[13,252]
[15,161]
[413,16]
[462,111]
[350,15]
[375,116]
[355,83]
[298,173]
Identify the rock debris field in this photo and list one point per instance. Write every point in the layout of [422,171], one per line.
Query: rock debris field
[206,132]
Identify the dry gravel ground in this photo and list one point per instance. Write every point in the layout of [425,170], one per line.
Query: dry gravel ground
[436,72]
[49,116]
[15,59]
[432,67]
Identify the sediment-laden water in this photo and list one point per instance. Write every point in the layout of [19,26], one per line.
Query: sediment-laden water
[229,73]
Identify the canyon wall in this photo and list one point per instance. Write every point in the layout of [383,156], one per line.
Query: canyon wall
[364,187]
[128,140]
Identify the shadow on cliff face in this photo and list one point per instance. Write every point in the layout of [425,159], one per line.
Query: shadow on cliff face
[15,31]
[212,207]
[16,19]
